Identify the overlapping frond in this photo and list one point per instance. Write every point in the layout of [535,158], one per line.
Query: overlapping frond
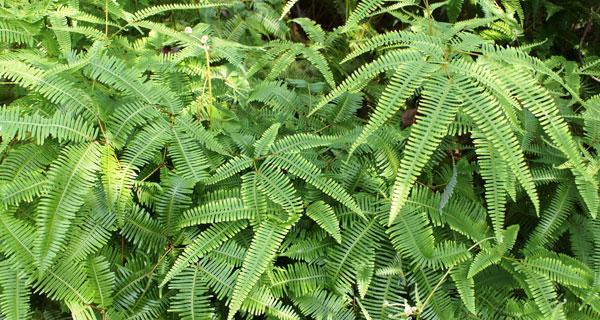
[73,175]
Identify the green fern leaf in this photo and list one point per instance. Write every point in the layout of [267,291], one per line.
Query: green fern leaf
[358,243]
[53,87]
[192,300]
[62,126]
[560,272]
[67,282]
[233,166]
[207,241]
[437,110]
[26,188]
[252,197]
[71,177]
[224,210]
[267,239]
[480,106]
[143,230]
[405,81]
[12,32]
[263,145]
[278,188]
[101,279]
[361,77]
[175,198]
[299,166]
[154,10]
[325,217]
[16,290]
[115,73]
[495,175]
[18,238]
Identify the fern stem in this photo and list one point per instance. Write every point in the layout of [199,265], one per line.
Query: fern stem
[428,9]
[347,9]
[149,276]
[106,18]
[208,77]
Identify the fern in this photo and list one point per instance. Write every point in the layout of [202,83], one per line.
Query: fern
[262,250]
[206,242]
[102,279]
[16,288]
[438,108]
[74,171]
[325,217]
[191,300]
[241,159]
[62,126]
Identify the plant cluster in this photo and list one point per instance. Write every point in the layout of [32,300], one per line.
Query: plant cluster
[242,160]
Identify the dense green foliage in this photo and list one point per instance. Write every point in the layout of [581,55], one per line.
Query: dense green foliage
[374,159]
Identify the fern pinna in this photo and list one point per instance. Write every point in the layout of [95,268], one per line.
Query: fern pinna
[219,160]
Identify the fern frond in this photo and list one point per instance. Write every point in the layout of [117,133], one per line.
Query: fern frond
[361,77]
[176,197]
[266,241]
[318,60]
[201,135]
[16,290]
[553,217]
[154,10]
[358,243]
[224,210]
[313,30]
[541,104]
[25,159]
[543,293]
[300,142]
[11,32]
[287,8]
[438,108]
[187,156]
[93,232]
[495,174]
[145,145]
[207,241]
[53,87]
[101,279]
[299,166]
[127,117]
[263,145]
[480,106]
[143,230]
[278,188]
[63,126]
[252,197]
[72,175]
[192,300]
[465,286]
[393,38]
[233,166]
[67,282]
[362,11]
[407,78]
[297,279]
[491,256]
[18,238]
[115,73]
[555,270]
[323,304]
[26,188]
[412,236]
[325,217]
